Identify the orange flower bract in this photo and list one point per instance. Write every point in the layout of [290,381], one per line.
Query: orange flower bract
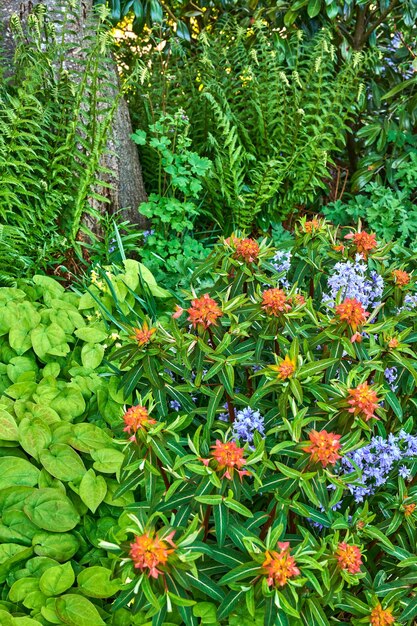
[401,278]
[137,418]
[363,401]
[275,302]
[381,617]
[364,242]
[286,369]
[311,225]
[409,509]
[352,312]
[323,447]
[143,335]
[349,557]
[148,552]
[280,566]
[229,457]
[204,311]
[247,249]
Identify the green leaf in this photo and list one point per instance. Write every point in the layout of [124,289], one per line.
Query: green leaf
[62,462]
[56,580]
[96,582]
[238,507]
[92,355]
[75,610]
[91,334]
[206,585]
[8,427]
[34,436]
[51,510]
[246,570]
[229,603]
[221,522]
[92,490]
[16,471]
[313,8]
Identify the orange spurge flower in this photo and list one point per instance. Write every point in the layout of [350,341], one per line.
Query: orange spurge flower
[323,447]
[285,369]
[401,277]
[137,418]
[247,249]
[381,617]
[409,509]
[393,343]
[275,302]
[349,557]
[363,401]
[204,311]
[364,242]
[313,224]
[148,552]
[229,457]
[143,335]
[352,312]
[280,566]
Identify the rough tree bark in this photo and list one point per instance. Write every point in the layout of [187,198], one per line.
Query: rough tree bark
[123,160]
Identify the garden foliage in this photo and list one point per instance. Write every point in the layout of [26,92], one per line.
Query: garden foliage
[60,408]
[268,443]
[54,121]
[269,111]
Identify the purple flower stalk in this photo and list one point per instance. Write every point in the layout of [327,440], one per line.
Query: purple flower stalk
[377,459]
[282,263]
[247,422]
[352,280]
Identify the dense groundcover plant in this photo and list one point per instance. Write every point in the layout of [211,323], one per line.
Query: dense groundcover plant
[271,449]
[59,459]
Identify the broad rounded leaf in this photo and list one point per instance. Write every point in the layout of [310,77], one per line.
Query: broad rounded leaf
[75,610]
[51,510]
[62,462]
[57,579]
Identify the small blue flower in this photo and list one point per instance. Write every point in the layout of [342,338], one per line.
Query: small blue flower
[404,472]
[352,280]
[247,422]
[174,404]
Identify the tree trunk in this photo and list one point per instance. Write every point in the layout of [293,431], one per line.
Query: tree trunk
[122,159]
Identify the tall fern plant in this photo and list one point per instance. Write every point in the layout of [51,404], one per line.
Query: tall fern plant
[55,113]
[278,108]
[270,110]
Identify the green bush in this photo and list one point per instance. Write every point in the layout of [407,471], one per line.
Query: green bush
[390,212]
[258,423]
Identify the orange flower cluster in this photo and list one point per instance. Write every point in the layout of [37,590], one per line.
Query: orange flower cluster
[352,312]
[363,401]
[149,551]
[229,457]
[409,509]
[401,278]
[275,302]
[323,447]
[311,225]
[381,617]
[137,418]
[285,369]
[143,335]
[393,343]
[280,566]
[349,557]
[364,242]
[204,311]
[247,249]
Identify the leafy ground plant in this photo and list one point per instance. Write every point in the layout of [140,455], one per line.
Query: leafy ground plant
[270,451]
[59,459]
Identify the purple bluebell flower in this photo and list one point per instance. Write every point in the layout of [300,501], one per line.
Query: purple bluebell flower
[404,472]
[247,422]
[377,459]
[390,374]
[148,233]
[175,405]
[282,263]
[410,302]
[352,280]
